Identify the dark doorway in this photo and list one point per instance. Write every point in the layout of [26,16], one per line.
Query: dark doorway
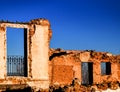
[87,73]
[16,51]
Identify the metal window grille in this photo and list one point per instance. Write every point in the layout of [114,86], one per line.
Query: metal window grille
[15,65]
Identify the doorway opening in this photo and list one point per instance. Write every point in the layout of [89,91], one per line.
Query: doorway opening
[16,51]
[87,73]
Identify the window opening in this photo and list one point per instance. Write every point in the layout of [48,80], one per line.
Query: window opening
[16,51]
[105,68]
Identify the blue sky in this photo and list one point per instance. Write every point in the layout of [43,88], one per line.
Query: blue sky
[15,41]
[76,24]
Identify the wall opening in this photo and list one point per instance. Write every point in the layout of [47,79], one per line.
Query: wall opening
[16,51]
[87,73]
[105,68]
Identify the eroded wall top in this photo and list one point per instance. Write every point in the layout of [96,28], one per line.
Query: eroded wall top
[29,25]
[84,55]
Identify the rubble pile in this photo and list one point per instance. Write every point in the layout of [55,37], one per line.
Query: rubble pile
[75,86]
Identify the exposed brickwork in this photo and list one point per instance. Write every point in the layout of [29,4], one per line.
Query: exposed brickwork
[62,74]
[58,67]
[74,59]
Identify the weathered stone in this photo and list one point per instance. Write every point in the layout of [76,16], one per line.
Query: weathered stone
[69,59]
[38,37]
[85,56]
[56,66]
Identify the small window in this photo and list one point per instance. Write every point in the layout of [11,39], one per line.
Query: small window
[105,68]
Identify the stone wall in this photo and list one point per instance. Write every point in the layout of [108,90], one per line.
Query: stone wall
[64,64]
[38,38]
[55,66]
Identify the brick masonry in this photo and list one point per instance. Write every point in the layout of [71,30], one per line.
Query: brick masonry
[47,66]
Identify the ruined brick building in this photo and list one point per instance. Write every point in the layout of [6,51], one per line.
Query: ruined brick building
[44,66]
[90,67]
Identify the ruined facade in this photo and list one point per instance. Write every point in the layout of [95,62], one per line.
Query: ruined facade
[89,67]
[37,38]
[67,65]
[46,66]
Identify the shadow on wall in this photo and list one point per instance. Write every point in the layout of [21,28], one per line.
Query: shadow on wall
[57,54]
[28,89]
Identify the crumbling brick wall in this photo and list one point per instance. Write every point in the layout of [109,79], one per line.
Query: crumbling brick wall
[70,62]
[63,67]
[118,65]
[62,74]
